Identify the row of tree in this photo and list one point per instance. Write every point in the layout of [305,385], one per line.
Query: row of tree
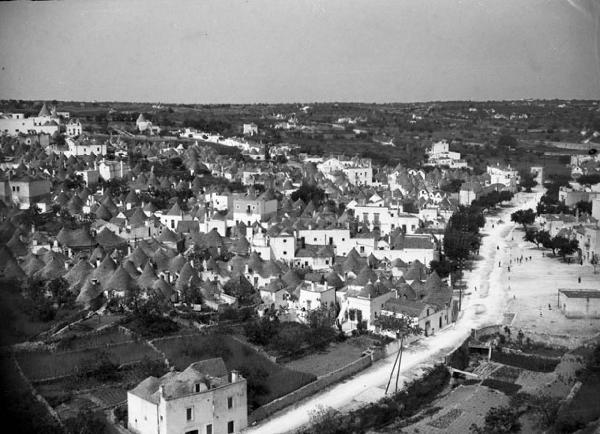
[563,245]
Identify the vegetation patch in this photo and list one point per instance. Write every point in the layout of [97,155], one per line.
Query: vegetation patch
[399,406]
[502,386]
[444,421]
[266,379]
[40,365]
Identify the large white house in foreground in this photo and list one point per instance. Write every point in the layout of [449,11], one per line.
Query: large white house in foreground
[203,399]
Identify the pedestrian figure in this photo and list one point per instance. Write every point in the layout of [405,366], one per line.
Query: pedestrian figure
[549,307]
[509,270]
[530,258]
[543,254]
[499,264]
[497,247]
[579,279]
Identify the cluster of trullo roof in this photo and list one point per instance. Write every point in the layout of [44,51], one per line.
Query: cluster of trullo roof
[154,266]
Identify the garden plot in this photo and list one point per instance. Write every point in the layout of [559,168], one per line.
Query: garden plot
[467,404]
[41,365]
[336,356]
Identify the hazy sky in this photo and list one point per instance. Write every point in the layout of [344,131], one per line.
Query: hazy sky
[298,51]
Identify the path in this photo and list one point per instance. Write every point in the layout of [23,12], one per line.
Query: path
[486,306]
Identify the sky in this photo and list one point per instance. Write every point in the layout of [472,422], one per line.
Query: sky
[250,51]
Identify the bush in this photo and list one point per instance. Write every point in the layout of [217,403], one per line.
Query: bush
[86,422]
[499,420]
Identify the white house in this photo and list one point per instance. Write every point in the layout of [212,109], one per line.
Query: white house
[360,304]
[314,295]
[250,129]
[13,124]
[113,169]
[579,303]
[85,146]
[74,128]
[250,209]
[357,171]
[440,155]
[504,175]
[203,398]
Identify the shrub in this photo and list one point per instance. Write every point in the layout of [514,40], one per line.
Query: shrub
[499,420]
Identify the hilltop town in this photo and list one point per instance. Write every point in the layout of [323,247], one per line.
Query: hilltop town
[155,257]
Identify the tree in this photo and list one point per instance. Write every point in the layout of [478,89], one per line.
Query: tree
[543,238]
[309,192]
[403,326]
[443,268]
[527,181]
[530,236]
[499,420]
[190,294]
[523,217]
[452,186]
[583,207]
[564,245]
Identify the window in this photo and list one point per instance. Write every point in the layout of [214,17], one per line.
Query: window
[285,240]
[230,427]
[362,249]
[189,413]
[209,428]
[230,402]
[197,387]
[285,252]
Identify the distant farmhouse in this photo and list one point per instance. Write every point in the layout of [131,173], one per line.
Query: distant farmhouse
[440,155]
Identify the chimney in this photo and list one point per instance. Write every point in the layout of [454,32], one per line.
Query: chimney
[161,390]
[235,376]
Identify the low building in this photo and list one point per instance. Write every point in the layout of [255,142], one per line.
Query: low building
[440,155]
[113,169]
[84,145]
[74,128]
[250,129]
[579,303]
[504,175]
[203,398]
